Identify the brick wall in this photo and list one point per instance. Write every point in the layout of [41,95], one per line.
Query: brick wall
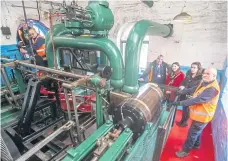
[204,40]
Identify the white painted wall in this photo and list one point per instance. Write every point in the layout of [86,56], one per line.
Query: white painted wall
[204,40]
[11,16]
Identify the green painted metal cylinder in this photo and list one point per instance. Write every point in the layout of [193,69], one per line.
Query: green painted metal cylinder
[60,29]
[103,59]
[101,44]
[101,16]
[133,49]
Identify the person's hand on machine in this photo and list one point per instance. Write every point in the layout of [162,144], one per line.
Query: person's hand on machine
[141,79]
[179,92]
[181,87]
[168,92]
[176,103]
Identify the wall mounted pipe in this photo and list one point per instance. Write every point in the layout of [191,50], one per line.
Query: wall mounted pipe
[101,44]
[133,49]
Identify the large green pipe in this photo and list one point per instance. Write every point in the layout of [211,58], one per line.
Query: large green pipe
[101,44]
[58,30]
[133,49]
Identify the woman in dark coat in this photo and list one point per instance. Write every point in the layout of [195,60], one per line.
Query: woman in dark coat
[192,79]
[174,79]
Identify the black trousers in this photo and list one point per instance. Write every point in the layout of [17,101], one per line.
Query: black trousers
[185,111]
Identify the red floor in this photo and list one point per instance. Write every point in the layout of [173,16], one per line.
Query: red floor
[176,139]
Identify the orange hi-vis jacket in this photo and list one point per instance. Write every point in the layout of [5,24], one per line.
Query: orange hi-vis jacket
[204,112]
[41,50]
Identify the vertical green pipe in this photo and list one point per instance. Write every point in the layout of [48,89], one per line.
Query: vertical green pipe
[103,59]
[97,82]
[101,44]
[149,3]
[133,49]
[99,110]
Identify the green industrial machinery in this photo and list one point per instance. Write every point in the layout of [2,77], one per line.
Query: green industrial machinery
[139,130]
[132,122]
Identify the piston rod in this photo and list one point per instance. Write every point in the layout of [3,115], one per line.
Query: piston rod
[54,71]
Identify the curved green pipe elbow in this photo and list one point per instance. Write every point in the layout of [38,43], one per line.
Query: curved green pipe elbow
[58,30]
[101,44]
[133,50]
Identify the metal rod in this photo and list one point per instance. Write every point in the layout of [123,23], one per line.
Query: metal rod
[76,83]
[5,78]
[7,60]
[25,16]
[58,79]
[69,115]
[76,115]
[87,124]
[54,71]
[41,144]
[12,63]
[67,103]
[8,99]
[9,64]
[3,92]
[52,39]
[25,70]
[19,96]
[22,6]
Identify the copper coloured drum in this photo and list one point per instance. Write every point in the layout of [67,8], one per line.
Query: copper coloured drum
[143,107]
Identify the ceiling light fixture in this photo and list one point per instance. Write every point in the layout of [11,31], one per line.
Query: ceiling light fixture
[183,16]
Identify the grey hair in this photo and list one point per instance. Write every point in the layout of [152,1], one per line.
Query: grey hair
[213,70]
[160,56]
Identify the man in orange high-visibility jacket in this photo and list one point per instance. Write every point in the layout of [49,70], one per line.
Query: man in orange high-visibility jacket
[38,42]
[202,108]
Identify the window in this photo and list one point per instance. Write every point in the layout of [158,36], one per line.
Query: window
[143,54]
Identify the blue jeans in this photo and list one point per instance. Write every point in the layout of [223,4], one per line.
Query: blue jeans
[194,135]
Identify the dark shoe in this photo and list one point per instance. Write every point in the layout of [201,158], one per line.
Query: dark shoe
[179,123]
[182,124]
[196,147]
[181,154]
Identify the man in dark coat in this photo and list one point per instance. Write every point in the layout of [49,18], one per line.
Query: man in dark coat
[156,71]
